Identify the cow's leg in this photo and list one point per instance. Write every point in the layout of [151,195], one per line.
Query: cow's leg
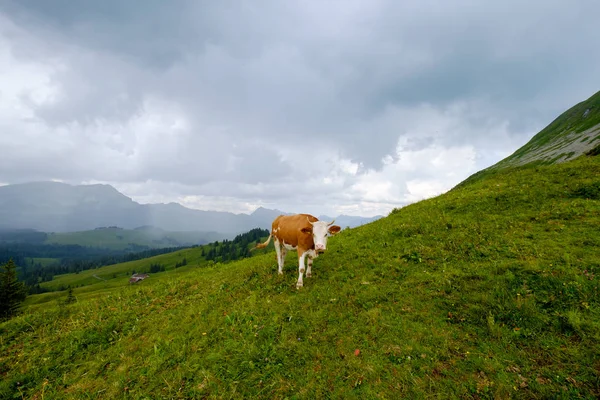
[278,250]
[283,254]
[309,262]
[301,258]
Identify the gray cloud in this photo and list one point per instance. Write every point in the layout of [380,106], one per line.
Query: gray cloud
[286,103]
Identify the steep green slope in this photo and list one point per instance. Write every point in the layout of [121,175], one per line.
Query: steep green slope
[573,133]
[579,118]
[490,290]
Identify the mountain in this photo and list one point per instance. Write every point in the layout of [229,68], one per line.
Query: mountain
[349,220]
[174,216]
[265,214]
[60,207]
[571,134]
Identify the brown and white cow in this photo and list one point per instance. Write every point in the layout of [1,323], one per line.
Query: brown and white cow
[301,232]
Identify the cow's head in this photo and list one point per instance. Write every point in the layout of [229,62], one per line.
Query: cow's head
[319,231]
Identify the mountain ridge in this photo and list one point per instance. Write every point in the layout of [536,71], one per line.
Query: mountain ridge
[72,208]
[573,133]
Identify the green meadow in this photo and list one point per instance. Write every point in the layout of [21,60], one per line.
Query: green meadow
[183,260]
[109,272]
[487,291]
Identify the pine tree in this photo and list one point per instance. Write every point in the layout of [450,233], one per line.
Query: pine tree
[70,296]
[12,292]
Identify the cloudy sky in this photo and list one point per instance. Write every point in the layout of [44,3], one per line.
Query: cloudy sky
[325,107]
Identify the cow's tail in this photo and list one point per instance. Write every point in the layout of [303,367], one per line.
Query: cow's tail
[263,245]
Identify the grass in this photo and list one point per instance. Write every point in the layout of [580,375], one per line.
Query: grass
[487,291]
[579,118]
[572,120]
[119,271]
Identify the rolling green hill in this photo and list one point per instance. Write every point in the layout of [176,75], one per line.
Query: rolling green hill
[198,256]
[194,257]
[487,291]
[100,276]
[122,239]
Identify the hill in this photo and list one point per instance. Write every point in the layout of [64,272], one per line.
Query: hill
[122,239]
[349,220]
[487,291]
[573,133]
[112,238]
[197,256]
[490,290]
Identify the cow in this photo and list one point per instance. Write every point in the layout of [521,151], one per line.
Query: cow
[301,232]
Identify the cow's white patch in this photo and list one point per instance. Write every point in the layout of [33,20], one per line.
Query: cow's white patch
[301,258]
[288,246]
[309,263]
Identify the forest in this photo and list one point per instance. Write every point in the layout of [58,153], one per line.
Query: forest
[65,259]
[236,249]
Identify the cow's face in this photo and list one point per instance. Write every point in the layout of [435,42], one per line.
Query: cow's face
[319,231]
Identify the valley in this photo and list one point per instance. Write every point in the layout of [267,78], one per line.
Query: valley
[487,291]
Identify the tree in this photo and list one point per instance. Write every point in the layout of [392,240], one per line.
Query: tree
[12,292]
[70,297]
[156,267]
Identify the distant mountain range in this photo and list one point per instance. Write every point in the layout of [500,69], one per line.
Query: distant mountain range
[60,207]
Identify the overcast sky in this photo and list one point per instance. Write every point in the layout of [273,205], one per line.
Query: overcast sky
[326,107]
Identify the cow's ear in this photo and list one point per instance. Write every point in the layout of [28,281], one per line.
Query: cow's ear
[334,229]
[306,230]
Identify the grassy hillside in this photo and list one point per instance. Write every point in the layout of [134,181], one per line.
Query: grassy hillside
[579,118]
[100,275]
[122,239]
[488,291]
[571,134]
